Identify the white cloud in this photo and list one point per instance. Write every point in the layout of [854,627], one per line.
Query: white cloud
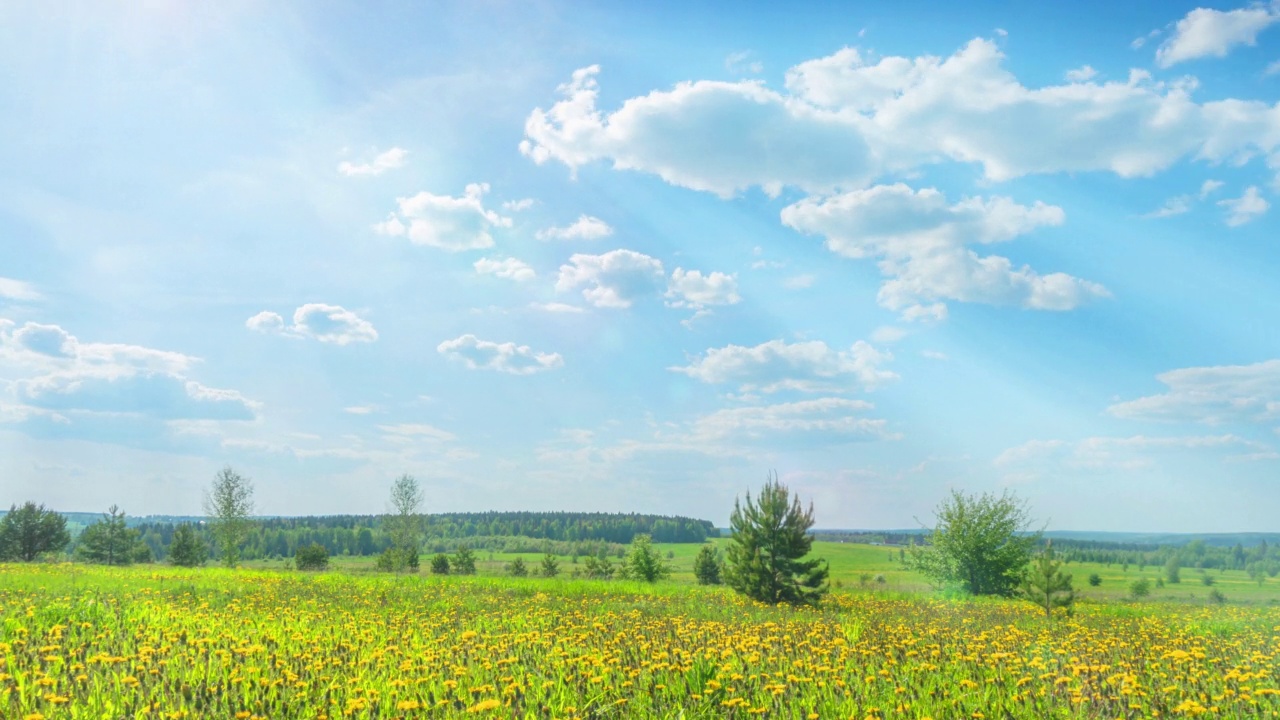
[555,307]
[936,312]
[388,160]
[507,357]
[64,378]
[17,290]
[742,63]
[441,221]
[1245,208]
[1125,453]
[360,409]
[921,244]
[776,365]
[518,205]
[845,121]
[509,268]
[584,228]
[326,323]
[1176,205]
[266,322]
[1211,395]
[1209,187]
[416,432]
[1081,74]
[614,280]
[692,289]
[821,420]
[934,355]
[1212,33]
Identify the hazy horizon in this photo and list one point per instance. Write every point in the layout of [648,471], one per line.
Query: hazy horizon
[586,257]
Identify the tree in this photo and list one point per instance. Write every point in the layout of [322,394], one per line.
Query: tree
[643,562]
[599,568]
[706,565]
[312,557]
[1095,580]
[550,566]
[31,530]
[464,561]
[1172,573]
[770,538]
[187,550]
[229,505]
[110,541]
[1046,585]
[404,525]
[980,543]
[516,568]
[1140,589]
[440,564]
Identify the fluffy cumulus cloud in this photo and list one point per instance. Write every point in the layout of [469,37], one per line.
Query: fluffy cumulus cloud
[1211,395]
[11,289]
[508,268]
[319,321]
[52,373]
[922,243]
[1212,33]
[1249,206]
[585,227]
[692,289]
[845,120]
[506,357]
[615,279]
[442,221]
[776,365]
[389,160]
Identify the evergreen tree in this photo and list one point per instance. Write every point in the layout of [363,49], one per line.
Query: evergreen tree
[440,564]
[516,568]
[464,561]
[1046,585]
[706,565]
[599,567]
[550,566]
[770,538]
[229,505]
[28,531]
[187,549]
[643,562]
[110,541]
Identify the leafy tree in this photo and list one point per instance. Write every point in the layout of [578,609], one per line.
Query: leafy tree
[1046,585]
[1095,580]
[643,562]
[312,557]
[516,568]
[1172,575]
[110,541]
[229,504]
[550,566]
[1140,589]
[405,522]
[187,549]
[770,538]
[980,543]
[28,531]
[599,568]
[440,564]
[706,565]
[464,562]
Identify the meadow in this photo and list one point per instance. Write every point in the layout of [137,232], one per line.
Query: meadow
[158,642]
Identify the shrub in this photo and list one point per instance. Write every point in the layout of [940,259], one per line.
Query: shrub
[1206,579]
[550,566]
[311,557]
[516,568]
[1216,597]
[440,564]
[464,562]
[643,562]
[1095,580]
[1140,589]
[706,565]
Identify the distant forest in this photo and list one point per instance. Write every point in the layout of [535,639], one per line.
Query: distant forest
[563,532]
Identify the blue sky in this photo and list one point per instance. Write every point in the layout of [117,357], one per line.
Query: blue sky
[570,256]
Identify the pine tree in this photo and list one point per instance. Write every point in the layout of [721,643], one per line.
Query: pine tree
[109,541]
[440,564]
[550,566]
[770,538]
[187,549]
[464,562]
[706,565]
[643,562]
[1046,585]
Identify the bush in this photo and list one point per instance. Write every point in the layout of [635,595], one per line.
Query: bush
[981,543]
[516,568]
[599,568]
[1206,579]
[312,557]
[1216,597]
[440,564]
[1095,580]
[187,550]
[1140,589]
[464,562]
[643,562]
[550,566]
[706,565]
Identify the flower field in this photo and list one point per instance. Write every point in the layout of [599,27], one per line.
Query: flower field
[80,642]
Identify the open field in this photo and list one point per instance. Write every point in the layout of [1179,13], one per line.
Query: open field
[157,642]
